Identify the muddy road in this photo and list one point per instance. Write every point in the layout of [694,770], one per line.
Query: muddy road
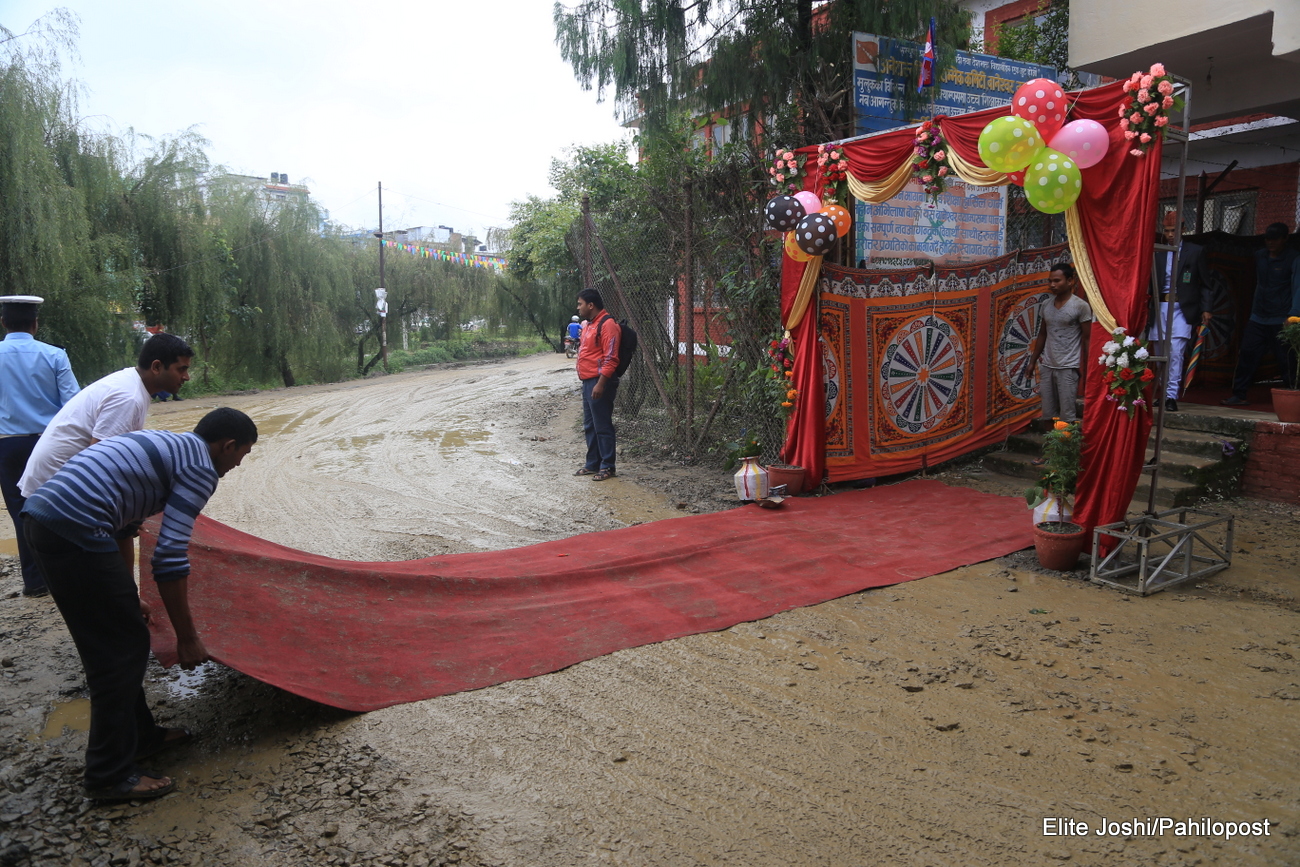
[937,722]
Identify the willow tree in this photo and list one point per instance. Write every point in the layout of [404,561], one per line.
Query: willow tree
[786,62]
[284,282]
[47,235]
[104,227]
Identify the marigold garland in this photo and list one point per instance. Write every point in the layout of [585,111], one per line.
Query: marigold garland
[781,366]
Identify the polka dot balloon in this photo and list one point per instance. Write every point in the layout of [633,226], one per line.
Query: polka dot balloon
[815,234]
[792,249]
[1052,182]
[1084,141]
[1043,102]
[1009,143]
[784,213]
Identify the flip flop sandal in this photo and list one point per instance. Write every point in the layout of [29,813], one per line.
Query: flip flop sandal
[125,791]
[174,737]
[602,475]
[585,472]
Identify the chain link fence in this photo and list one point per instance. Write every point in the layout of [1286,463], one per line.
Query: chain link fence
[689,268]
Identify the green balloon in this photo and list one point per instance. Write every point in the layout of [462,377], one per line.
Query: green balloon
[1052,181]
[1009,143]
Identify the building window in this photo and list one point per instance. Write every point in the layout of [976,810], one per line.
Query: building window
[721,132]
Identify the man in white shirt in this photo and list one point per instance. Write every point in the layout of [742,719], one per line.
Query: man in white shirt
[116,404]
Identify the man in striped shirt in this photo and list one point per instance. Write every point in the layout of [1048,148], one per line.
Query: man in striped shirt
[73,523]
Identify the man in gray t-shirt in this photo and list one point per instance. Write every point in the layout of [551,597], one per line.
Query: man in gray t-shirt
[1062,338]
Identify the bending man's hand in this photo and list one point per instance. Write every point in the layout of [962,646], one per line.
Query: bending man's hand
[191,653]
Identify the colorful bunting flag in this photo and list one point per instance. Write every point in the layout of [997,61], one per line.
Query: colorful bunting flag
[475,260]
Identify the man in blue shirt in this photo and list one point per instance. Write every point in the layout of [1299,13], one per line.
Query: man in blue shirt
[37,381]
[1276,278]
[73,522]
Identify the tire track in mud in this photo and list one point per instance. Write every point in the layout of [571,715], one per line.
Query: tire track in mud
[934,722]
[406,467]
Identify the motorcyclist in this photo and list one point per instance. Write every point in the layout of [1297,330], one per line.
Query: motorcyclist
[575,332]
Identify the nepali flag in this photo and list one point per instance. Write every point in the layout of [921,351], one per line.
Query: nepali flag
[927,61]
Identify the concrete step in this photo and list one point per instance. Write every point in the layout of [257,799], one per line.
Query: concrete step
[1181,441]
[1014,463]
[1171,493]
[1186,468]
[1195,442]
[1175,488]
[1026,442]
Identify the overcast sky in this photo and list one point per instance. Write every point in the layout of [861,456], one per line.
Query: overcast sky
[457,107]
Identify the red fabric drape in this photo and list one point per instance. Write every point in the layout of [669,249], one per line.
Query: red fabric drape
[874,158]
[963,131]
[1117,212]
[805,438]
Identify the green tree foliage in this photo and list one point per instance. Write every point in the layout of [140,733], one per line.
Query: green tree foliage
[545,271]
[782,62]
[1043,38]
[116,229]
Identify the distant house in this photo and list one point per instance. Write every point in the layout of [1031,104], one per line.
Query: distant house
[273,190]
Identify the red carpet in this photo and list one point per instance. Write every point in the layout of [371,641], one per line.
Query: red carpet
[362,636]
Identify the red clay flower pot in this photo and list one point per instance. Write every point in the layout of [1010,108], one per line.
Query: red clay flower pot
[791,477]
[1059,545]
[1286,403]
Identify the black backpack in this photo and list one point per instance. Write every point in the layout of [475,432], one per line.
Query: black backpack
[627,344]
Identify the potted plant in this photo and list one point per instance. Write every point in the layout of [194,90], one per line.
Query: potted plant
[1057,540]
[1286,401]
[751,479]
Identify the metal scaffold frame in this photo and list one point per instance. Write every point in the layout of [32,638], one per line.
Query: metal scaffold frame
[1154,552]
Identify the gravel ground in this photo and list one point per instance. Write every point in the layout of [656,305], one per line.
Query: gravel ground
[933,722]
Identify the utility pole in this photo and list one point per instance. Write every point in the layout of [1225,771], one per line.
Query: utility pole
[381,294]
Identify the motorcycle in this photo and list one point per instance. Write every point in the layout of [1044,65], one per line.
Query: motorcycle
[570,347]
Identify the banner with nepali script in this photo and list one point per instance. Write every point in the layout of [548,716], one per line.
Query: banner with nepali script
[924,365]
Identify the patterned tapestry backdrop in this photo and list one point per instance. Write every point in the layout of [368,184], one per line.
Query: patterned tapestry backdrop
[924,365]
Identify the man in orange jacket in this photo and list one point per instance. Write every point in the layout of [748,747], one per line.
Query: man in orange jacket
[597,361]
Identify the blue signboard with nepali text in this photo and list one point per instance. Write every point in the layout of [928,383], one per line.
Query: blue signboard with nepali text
[882,65]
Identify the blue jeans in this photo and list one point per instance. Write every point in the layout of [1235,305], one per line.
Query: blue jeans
[14,452]
[598,424]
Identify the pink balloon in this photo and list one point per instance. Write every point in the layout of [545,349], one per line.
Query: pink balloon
[1084,141]
[1017,178]
[811,204]
[1042,101]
